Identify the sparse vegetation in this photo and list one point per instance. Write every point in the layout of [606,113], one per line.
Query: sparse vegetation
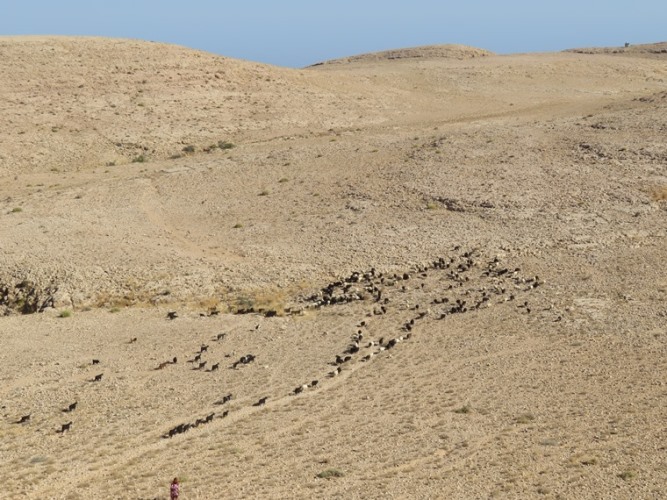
[16,210]
[627,475]
[283,180]
[139,159]
[238,225]
[66,313]
[526,418]
[189,149]
[261,301]
[583,459]
[264,192]
[225,145]
[659,193]
[549,442]
[463,410]
[330,473]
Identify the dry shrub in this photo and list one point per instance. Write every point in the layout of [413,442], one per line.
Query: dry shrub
[330,473]
[210,303]
[107,299]
[261,300]
[267,299]
[583,459]
[659,193]
[224,301]
[526,418]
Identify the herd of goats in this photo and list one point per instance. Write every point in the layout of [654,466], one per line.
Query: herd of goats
[466,282]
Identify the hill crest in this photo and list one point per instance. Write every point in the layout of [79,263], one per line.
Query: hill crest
[658,49]
[448,51]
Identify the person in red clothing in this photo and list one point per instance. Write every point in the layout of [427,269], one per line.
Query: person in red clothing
[175,489]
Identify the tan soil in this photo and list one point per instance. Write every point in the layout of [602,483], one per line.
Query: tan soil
[555,164]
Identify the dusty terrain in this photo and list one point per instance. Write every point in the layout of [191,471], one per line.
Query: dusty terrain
[506,216]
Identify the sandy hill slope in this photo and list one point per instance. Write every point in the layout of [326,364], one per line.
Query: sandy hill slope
[119,190]
[78,103]
[653,50]
[422,277]
[451,51]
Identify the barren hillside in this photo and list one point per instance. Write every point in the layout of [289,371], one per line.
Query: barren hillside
[483,237]
[459,52]
[652,50]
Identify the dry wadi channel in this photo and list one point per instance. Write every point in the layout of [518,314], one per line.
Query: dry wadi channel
[425,273]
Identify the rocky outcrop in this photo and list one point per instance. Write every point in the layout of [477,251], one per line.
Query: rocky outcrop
[25,297]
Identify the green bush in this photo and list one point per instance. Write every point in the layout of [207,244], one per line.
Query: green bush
[330,473]
[627,475]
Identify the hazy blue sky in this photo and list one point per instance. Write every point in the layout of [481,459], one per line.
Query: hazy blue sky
[301,32]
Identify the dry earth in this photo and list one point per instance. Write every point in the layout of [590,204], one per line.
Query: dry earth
[523,196]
